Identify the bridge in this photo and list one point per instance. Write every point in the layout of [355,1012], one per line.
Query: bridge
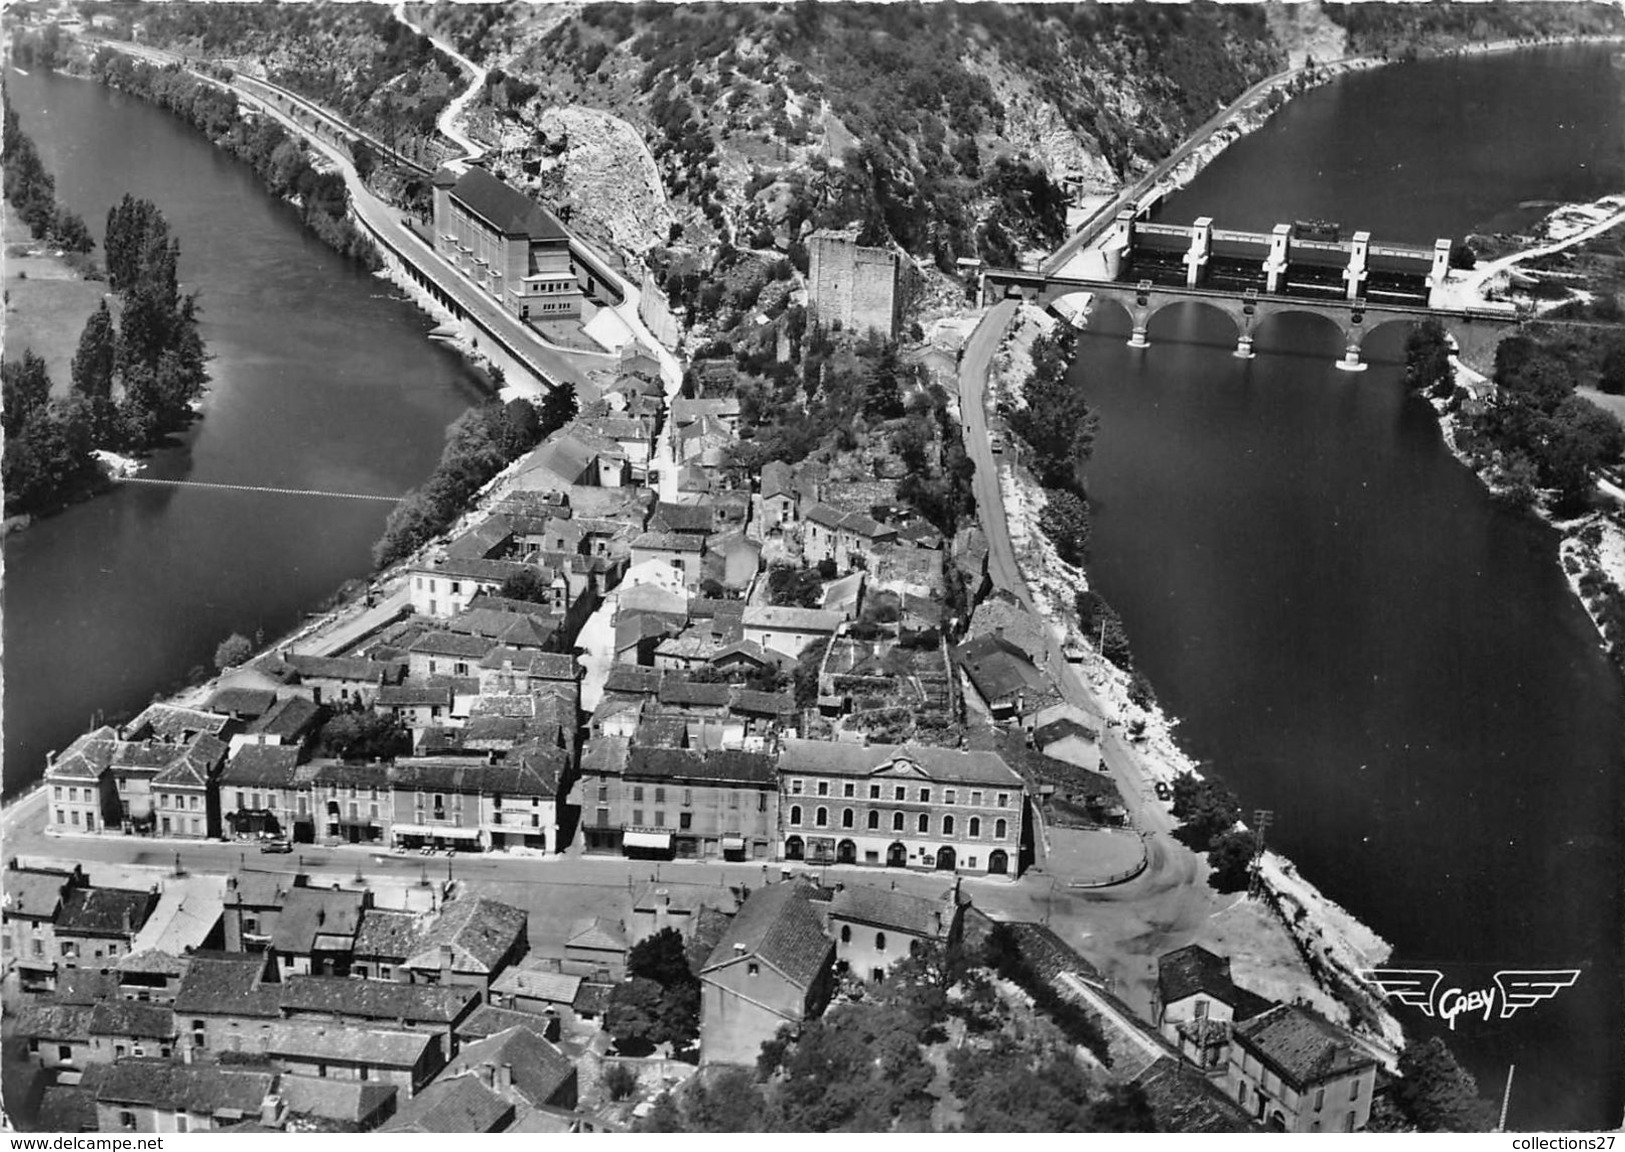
[209,484]
[1145,267]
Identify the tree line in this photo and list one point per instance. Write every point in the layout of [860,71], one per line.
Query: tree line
[134,381]
[31,190]
[279,158]
[479,444]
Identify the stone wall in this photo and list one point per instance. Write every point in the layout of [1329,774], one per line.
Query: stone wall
[855,286]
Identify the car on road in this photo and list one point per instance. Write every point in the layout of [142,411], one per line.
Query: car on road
[1163,791]
[277,846]
[996,442]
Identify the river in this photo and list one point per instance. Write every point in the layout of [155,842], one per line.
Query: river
[1351,634]
[323,380]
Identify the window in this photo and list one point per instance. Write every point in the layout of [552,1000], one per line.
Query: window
[1348,1122]
[1004,799]
[874,791]
[795,787]
[925,795]
[925,822]
[896,821]
[73,794]
[60,818]
[180,1121]
[637,816]
[846,933]
[603,793]
[976,798]
[900,793]
[660,817]
[998,829]
[1201,1014]
[73,817]
[761,801]
[57,791]
[848,790]
[975,826]
[823,787]
[733,799]
[685,820]
[874,819]
[660,795]
[822,818]
[637,792]
[848,818]
[880,941]
[127,1121]
[795,813]
[753,968]
[947,825]
[688,798]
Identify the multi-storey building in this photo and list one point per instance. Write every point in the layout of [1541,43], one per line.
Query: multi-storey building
[1294,1071]
[507,244]
[902,806]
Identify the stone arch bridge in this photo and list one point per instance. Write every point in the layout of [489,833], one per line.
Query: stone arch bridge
[1475,331]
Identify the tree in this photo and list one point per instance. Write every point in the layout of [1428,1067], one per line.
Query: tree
[1065,520]
[1436,1094]
[1001,1092]
[93,362]
[1099,621]
[363,736]
[795,587]
[531,585]
[1427,359]
[521,428]
[232,651]
[1207,809]
[1462,256]
[25,389]
[805,676]
[620,1081]
[661,958]
[1230,857]
[1612,375]
[559,407]
[632,1017]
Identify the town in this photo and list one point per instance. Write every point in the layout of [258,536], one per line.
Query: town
[631,657]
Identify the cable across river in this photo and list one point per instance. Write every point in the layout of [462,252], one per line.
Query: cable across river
[256,488]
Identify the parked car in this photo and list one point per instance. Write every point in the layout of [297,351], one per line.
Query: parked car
[276,846]
[1163,791]
[996,442]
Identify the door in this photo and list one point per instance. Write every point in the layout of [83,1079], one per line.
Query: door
[846,852]
[998,863]
[945,859]
[896,856]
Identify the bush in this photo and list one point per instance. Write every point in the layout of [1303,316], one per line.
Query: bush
[1230,858]
[233,650]
[620,1081]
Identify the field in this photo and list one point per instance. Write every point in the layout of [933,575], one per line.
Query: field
[46,303]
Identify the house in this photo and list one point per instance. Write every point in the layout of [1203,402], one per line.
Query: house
[348,803]
[1001,681]
[772,967]
[32,899]
[315,932]
[99,924]
[634,435]
[250,908]
[683,519]
[447,653]
[681,553]
[459,1106]
[535,986]
[335,680]
[184,792]
[258,790]
[315,1104]
[776,498]
[187,918]
[488,1020]
[848,539]
[704,442]
[71,1108]
[1295,1071]
[788,630]
[225,1003]
[291,720]
[466,944]
[901,805]
[120,1028]
[1066,739]
[341,1004]
[243,704]
[724,409]
[507,245]
[469,802]
[672,802]
[82,795]
[416,706]
[515,672]
[159,1096]
[597,950]
[1195,1003]
[845,596]
[873,927]
[404,1058]
[521,1067]
[58,1034]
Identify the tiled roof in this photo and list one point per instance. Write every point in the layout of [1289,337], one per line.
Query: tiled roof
[68,1109]
[340,668]
[539,1070]
[606,756]
[537,984]
[461,1105]
[245,702]
[343,1101]
[386,933]
[412,695]
[1192,969]
[938,764]
[792,619]
[699,518]
[377,999]
[480,933]
[632,679]
[725,767]
[601,934]
[86,758]
[779,926]
[1185,1103]
[668,542]
[762,703]
[287,718]
[173,723]
[1058,730]
[86,986]
[488,1020]
[452,644]
[505,208]
[227,984]
[883,908]
[105,911]
[33,893]
[204,1088]
[132,1018]
[262,766]
[1301,1045]
[194,764]
[55,1022]
[308,911]
[998,668]
[693,693]
[311,1039]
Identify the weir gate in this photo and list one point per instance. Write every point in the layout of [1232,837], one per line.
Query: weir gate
[1250,276]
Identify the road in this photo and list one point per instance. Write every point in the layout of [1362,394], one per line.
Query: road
[449,122]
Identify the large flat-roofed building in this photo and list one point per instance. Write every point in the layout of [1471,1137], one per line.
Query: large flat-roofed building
[506,243]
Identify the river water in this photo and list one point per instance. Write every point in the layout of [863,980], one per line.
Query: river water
[322,380]
[1351,633]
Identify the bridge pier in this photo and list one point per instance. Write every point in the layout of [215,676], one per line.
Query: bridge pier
[1244,346]
[1137,337]
[1351,361]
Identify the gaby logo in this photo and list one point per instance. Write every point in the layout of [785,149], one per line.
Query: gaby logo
[1515,989]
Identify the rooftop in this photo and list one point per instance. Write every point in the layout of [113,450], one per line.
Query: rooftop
[227,983]
[261,766]
[947,765]
[1302,1046]
[461,1105]
[386,1048]
[884,908]
[307,912]
[506,208]
[377,999]
[779,926]
[105,911]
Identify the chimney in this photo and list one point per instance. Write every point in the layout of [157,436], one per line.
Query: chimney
[270,1110]
[739,948]
[126,921]
[998,632]
[490,1073]
[321,917]
[505,1076]
[445,962]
